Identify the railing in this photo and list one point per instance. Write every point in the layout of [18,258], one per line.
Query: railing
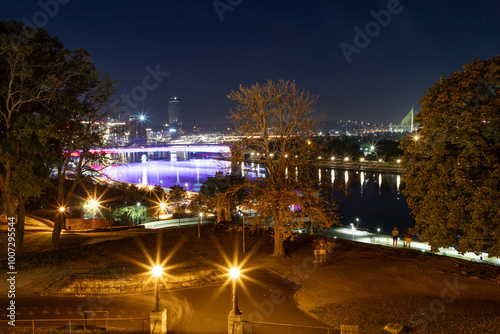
[279,328]
[92,325]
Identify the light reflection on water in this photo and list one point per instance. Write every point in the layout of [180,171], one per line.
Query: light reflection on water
[374,198]
[190,174]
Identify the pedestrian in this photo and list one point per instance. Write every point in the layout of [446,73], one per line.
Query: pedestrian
[330,244]
[395,235]
[407,238]
[322,250]
[316,250]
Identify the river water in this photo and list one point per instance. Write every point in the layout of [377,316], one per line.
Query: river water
[374,199]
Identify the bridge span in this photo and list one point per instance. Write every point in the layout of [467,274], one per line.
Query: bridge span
[168,148]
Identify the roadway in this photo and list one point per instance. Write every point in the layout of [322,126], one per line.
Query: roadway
[265,298]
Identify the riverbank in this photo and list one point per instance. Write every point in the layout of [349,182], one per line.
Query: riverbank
[368,166]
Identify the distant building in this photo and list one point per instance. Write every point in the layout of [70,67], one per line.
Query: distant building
[137,129]
[174,116]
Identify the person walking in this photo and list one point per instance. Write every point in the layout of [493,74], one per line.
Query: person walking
[407,238]
[395,235]
[322,250]
[316,250]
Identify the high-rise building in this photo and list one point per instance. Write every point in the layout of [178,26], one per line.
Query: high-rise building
[174,112]
[174,116]
[137,129]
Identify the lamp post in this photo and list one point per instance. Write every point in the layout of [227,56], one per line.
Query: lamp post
[157,271]
[244,246]
[235,319]
[62,210]
[93,204]
[163,209]
[158,317]
[200,217]
[235,273]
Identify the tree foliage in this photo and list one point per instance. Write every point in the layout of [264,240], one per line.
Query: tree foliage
[32,70]
[452,166]
[49,98]
[276,121]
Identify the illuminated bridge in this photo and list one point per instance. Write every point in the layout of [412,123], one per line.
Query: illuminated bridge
[170,148]
[407,123]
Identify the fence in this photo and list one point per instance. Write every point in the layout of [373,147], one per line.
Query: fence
[80,326]
[279,328]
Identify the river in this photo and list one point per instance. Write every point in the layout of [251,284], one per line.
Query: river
[374,200]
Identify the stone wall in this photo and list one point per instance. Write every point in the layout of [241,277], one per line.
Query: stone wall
[87,224]
[140,283]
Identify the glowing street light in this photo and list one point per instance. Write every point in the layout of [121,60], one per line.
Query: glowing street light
[235,273]
[157,271]
[93,205]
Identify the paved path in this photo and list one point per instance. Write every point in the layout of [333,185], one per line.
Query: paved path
[267,297]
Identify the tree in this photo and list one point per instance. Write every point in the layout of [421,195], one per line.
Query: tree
[76,113]
[178,196]
[218,191]
[33,68]
[276,122]
[452,166]
[49,99]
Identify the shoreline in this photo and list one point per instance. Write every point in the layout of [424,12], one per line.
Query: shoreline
[368,166]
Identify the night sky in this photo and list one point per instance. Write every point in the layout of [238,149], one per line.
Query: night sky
[209,52]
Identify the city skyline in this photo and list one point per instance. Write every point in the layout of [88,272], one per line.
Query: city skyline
[368,61]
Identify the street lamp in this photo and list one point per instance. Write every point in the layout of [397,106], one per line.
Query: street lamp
[62,210]
[235,273]
[157,272]
[93,205]
[163,209]
[244,246]
[200,217]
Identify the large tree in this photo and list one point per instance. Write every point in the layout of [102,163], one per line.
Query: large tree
[277,124]
[452,165]
[77,113]
[32,69]
[49,98]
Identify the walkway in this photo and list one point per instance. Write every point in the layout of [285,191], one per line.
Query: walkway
[386,240]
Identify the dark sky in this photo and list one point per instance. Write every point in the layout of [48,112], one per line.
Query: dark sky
[206,57]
